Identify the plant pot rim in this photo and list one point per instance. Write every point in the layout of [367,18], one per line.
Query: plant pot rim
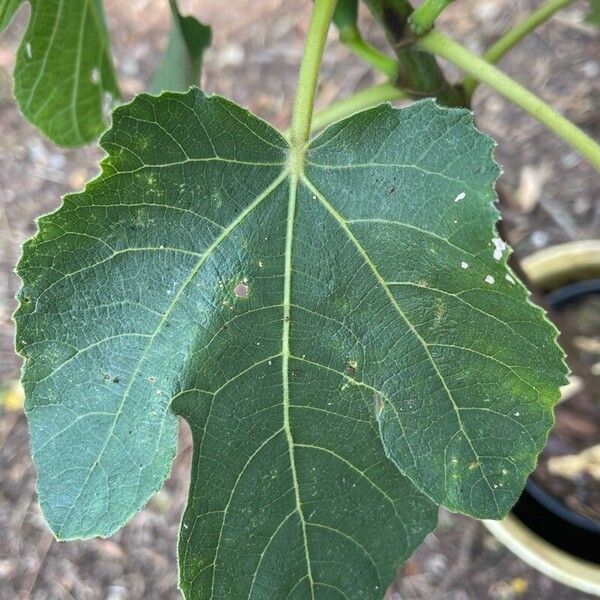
[544,557]
[557,265]
[547,270]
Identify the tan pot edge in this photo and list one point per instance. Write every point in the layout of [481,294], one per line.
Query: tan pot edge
[556,265]
[536,552]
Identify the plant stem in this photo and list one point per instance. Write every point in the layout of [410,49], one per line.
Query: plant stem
[307,79]
[422,20]
[371,96]
[380,61]
[367,98]
[515,34]
[483,71]
[417,72]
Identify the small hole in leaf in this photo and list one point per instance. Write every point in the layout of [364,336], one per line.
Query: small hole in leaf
[241,290]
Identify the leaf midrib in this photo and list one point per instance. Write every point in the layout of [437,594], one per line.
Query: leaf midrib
[287,302]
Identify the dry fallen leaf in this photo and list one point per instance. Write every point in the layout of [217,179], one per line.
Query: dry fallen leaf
[12,397]
[573,465]
[531,183]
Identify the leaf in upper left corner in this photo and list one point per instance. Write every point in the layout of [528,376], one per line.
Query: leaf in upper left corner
[181,63]
[64,80]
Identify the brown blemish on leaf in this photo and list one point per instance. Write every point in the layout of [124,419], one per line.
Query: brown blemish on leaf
[351,367]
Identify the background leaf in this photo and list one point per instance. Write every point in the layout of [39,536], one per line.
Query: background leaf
[7,11]
[181,63]
[64,79]
[593,16]
[296,321]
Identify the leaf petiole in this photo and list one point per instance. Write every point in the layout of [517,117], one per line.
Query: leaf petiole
[478,68]
[424,16]
[515,34]
[307,80]
[367,98]
[380,61]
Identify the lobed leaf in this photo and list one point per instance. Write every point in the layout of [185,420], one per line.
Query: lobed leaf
[305,324]
[64,78]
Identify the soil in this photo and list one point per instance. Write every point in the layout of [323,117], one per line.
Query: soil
[551,195]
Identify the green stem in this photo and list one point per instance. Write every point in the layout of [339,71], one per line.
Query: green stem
[483,71]
[418,73]
[422,20]
[515,34]
[350,37]
[371,96]
[307,79]
[367,98]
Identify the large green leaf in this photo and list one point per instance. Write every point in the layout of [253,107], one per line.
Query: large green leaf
[64,79]
[295,320]
[181,63]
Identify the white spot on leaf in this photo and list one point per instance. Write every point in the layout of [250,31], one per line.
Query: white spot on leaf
[464,265]
[499,247]
[489,279]
[460,197]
